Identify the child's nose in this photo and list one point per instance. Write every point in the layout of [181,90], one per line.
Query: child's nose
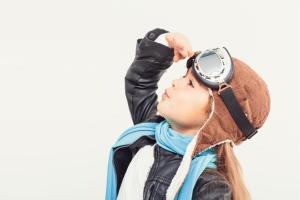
[173,83]
[176,82]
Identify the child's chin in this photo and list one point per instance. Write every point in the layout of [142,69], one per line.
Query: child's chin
[160,109]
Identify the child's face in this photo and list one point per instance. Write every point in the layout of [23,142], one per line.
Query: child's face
[187,104]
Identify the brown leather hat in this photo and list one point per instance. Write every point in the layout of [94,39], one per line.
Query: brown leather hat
[253,96]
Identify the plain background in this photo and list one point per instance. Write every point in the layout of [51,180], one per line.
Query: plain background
[62,97]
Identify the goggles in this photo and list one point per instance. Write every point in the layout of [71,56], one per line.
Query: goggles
[214,67]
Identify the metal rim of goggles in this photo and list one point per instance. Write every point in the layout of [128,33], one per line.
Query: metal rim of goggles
[214,67]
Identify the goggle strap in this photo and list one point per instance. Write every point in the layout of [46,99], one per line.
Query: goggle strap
[237,113]
[190,61]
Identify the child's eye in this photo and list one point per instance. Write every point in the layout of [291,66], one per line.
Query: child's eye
[191,83]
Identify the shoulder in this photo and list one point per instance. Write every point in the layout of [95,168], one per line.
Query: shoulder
[212,185]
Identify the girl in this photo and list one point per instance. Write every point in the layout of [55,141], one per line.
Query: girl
[181,147]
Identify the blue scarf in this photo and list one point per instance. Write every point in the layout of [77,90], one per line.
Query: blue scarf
[170,140]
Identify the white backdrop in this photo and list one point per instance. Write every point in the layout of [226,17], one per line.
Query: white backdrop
[62,98]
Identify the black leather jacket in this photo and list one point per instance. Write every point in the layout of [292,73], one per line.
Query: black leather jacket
[151,61]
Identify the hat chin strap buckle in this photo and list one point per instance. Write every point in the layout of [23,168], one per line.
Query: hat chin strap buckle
[223,86]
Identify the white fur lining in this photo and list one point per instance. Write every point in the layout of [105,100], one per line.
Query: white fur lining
[134,180]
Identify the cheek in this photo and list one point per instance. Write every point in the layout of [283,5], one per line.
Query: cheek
[185,107]
[190,104]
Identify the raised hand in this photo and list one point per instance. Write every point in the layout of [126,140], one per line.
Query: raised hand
[181,45]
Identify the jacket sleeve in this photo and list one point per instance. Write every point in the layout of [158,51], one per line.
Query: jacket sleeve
[151,60]
[212,187]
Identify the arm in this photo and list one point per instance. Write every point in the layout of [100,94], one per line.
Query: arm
[152,59]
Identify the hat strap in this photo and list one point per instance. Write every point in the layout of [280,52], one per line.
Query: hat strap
[236,111]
